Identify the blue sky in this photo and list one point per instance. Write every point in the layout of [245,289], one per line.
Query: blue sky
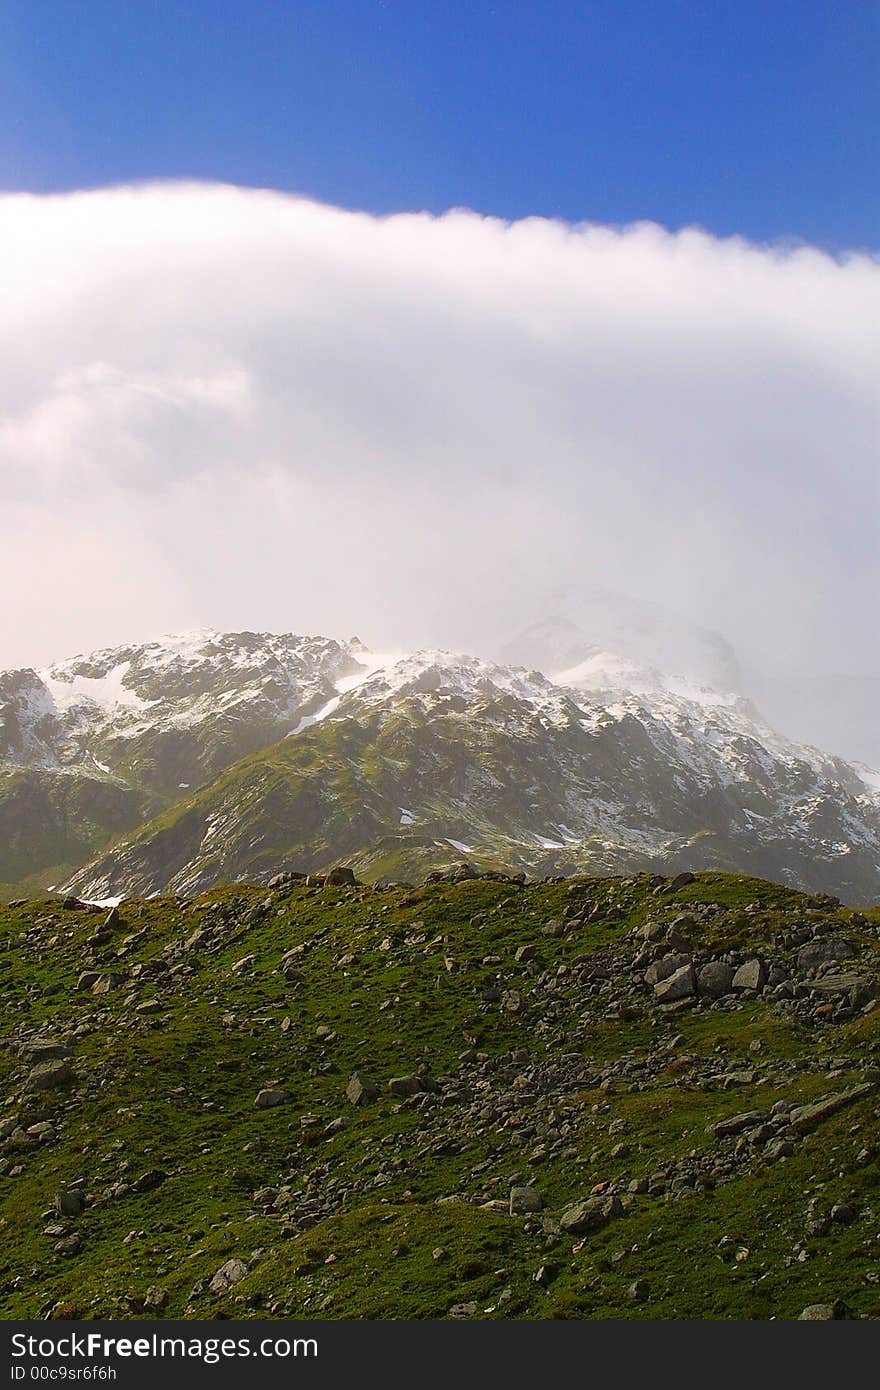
[757,117]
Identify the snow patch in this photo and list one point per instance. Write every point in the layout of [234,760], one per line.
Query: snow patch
[309,719]
[108,692]
[870,778]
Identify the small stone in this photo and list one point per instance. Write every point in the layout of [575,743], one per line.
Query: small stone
[271,1096]
[232,1272]
[820,1312]
[360,1090]
[525,1199]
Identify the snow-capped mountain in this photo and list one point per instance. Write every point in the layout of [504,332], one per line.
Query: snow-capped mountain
[265,752]
[429,757]
[93,746]
[171,713]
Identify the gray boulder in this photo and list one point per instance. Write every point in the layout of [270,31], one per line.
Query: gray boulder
[271,1096]
[232,1272]
[664,967]
[589,1215]
[405,1086]
[751,976]
[70,1202]
[360,1090]
[341,877]
[833,948]
[715,979]
[49,1076]
[525,1199]
[680,985]
[820,1312]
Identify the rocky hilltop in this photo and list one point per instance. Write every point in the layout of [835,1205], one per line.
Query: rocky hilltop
[488,1097]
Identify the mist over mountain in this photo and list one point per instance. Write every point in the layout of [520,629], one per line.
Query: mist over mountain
[837,711]
[223,406]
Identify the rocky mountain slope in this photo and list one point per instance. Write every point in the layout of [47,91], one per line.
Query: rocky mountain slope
[435,757]
[211,757]
[483,1098]
[91,747]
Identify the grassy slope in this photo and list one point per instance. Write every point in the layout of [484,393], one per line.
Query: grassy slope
[174,1090]
[53,822]
[336,792]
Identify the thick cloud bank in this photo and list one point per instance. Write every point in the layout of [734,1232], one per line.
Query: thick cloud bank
[245,409]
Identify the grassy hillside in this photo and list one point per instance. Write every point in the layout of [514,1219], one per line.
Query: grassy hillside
[139,1174]
[490,779]
[51,822]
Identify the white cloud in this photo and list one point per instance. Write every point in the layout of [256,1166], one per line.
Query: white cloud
[243,408]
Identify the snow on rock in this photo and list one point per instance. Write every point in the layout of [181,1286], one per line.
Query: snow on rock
[618,754]
[74,714]
[69,688]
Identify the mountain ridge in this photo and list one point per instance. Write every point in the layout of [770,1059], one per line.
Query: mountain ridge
[308,751]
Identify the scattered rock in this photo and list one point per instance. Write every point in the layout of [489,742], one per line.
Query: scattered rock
[750,976]
[821,1312]
[341,877]
[715,979]
[361,1090]
[232,1272]
[525,1199]
[271,1096]
[70,1202]
[401,1086]
[680,985]
[50,1076]
[589,1215]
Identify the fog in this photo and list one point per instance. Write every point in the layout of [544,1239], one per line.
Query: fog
[242,409]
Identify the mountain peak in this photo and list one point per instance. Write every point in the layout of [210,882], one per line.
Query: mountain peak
[606,763]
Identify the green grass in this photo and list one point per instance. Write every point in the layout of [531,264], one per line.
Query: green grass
[174,1090]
